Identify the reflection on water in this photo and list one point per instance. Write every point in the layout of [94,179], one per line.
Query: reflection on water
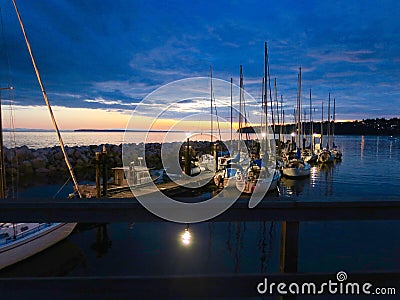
[102,242]
[58,260]
[368,171]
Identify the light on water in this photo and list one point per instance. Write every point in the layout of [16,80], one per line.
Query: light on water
[186,237]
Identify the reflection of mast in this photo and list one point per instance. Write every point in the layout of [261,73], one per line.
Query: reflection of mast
[265,254]
[228,241]
[239,245]
[210,236]
[103,241]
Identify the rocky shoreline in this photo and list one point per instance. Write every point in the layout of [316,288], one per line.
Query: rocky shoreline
[24,162]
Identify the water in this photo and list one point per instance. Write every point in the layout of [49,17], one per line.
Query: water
[369,171]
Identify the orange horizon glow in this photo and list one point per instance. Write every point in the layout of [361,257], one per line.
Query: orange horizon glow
[37,117]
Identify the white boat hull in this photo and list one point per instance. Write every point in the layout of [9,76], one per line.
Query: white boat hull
[296,171]
[23,247]
[260,186]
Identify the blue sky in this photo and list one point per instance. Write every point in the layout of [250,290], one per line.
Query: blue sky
[108,55]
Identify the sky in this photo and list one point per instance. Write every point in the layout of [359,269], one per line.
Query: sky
[99,59]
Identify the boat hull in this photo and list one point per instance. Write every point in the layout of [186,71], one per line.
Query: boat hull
[24,247]
[260,186]
[296,172]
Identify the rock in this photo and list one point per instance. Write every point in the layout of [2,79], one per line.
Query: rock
[39,162]
[42,171]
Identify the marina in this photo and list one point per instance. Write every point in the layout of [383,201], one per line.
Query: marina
[189,162]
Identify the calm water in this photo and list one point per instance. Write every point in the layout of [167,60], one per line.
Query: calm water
[370,170]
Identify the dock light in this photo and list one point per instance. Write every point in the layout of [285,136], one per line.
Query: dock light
[186,237]
[264,134]
[293,134]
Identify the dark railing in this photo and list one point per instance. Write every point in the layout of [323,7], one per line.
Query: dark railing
[242,286]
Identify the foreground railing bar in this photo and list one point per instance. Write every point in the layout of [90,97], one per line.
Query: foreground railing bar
[166,287]
[130,210]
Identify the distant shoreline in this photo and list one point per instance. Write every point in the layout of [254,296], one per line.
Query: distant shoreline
[123,130]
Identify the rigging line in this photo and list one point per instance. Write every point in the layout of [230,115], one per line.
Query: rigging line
[47,102]
[68,180]
[216,116]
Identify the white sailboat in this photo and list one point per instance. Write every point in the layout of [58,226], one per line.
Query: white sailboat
[337,154]
[261,175]
[228,168]
[22,240]
[296,166]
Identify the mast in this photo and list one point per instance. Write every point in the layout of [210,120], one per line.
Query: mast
[277,113]
[299,109]
[231,114]
[270,90]
[322,122]
[211,104]
[334,120]
[282,121]
[2,165]
[329,121]
[265,88]
[240,106]
[311,126]
[47,102]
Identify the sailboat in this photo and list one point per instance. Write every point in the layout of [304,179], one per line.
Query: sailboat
[261,175]
[295,166]
[324,154]
[230,168]
[307,154]
[22,240]
[337,154]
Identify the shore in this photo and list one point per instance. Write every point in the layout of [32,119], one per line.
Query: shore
[24,162]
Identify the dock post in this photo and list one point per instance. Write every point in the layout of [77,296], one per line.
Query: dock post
[105,175]
[187,158]
[97,155]
[215,152]
[289,251]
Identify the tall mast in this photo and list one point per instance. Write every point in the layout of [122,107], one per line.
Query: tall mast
[270,90]
[240,105]
[277,111]
[211,104]
[282,121]
[264,108]
[322,122]
[311,125]
[299,109]
[334,119]
[231,113]
[265,87]
[2,165]
[329,121]
[47,102]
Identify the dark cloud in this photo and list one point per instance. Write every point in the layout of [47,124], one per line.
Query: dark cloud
[113,53]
